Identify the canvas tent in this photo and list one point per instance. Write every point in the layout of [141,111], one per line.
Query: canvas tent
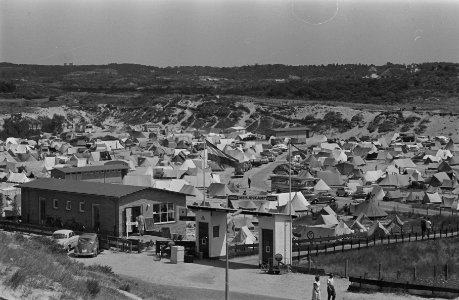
[244,237]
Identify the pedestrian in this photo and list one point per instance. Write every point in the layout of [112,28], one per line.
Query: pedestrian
[331,288]
[316,288]
[423,226]
[249,181]
[141,224]
[428,226]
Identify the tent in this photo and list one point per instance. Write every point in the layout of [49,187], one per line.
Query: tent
[395,195]
[378,193]
[414,196]
[395,225]
[377,230]
[431,198]
[371,209]
[315,231]
[342,229]
[358,227]
[448,200]
[244,237]
[218,190]
[395,180]
[321,186]
[330,178]
[299,203]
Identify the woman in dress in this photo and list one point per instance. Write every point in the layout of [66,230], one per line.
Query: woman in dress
[316,289]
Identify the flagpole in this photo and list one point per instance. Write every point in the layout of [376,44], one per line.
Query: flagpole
[290,194]
[204,171]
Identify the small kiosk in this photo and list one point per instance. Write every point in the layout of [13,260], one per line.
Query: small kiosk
[275,236]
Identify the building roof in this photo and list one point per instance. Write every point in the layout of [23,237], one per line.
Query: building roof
[291,129]
[93,168]
[88,188]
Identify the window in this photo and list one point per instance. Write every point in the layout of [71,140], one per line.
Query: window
[81,206]
[216,231]
[163,213]
[55,203]
[69,205]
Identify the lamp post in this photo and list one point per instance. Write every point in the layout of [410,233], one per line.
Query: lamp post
[231,217]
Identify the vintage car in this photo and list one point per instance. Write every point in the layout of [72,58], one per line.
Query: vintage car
[88,245]
[66,238]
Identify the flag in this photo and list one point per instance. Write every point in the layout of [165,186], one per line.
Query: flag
[220,157]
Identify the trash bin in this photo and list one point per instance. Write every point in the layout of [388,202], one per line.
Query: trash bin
[177,254]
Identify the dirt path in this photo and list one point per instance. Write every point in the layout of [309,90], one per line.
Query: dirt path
[206,279]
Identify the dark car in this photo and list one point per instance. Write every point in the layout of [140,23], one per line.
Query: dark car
[88,245]
[323,198]
[343,192]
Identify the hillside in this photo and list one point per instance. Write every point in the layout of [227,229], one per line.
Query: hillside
[343,100]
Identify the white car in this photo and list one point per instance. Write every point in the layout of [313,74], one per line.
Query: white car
[66,238]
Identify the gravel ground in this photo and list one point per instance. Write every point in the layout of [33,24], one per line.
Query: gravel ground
[206,279]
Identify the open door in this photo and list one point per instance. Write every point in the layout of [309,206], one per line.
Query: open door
[267,246]
[128,216]
[204,238]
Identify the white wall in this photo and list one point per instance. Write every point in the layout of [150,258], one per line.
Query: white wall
[216,244]
[280,225]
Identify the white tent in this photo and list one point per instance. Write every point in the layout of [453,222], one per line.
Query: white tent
[342,229]
[321,186]
[244,237]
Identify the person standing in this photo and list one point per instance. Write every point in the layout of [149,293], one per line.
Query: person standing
[141,224]
[331,288]
[428,226]
[316,289]
[423,226]
[249,181]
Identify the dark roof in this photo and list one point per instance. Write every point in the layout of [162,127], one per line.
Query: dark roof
[108,167]
[88,188]
[291,129]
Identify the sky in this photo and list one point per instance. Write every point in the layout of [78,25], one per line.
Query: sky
[228,32]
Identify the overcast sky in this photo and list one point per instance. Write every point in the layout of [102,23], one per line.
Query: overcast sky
[228,32]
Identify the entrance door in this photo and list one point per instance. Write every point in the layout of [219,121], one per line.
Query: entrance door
[204,238]
[267,246]
[96,217]
[42,211]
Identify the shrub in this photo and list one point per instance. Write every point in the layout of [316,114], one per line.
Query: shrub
[17,279]
[93,286]
[100,269]
[126,287]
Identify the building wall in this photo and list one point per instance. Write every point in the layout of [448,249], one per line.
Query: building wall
[201,216]
[282,243]
[145,199]
[107,207]
[217,246]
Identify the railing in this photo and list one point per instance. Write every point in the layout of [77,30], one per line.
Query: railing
[242,250]
[329,245]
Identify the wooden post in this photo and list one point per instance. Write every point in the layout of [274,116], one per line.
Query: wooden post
[317,249]
[446,272]
[440,210]
[409,237]
[382,241]
[414,273]
[309,263]
[396,239]
[298,251]
[334,246]
[351,243]
[433,234]
[412,227]
[346,267]
[309,251]
[379,271]
[388,239]
[342,246]
[435,272]
[367,242]
[359,244]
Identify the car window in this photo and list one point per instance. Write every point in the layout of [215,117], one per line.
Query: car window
[58,236]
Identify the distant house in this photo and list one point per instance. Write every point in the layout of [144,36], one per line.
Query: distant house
[299,133]
[104,173]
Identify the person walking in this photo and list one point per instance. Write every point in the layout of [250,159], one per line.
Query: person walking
[249,181]
[316,289]
[331,288]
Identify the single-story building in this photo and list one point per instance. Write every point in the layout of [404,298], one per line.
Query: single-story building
[104,173]
[103,207]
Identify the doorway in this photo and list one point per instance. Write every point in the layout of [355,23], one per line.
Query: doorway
[267,246]
[203,237]
[42,211]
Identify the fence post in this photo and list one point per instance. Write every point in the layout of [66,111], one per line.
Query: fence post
[435,272]
[334,246]
[416,236]
[367,242]
[346,267]
[396,239]
[351,243]
[359,244]
[379,271]
[427,211]
[414,273]
[342,246]
[317,249]
[388,239]
[309,251]
[433,234]
[446,272]
[409,237]
[298,251]
[382,241]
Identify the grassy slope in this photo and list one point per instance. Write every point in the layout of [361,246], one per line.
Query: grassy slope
[30,266]
[398,257]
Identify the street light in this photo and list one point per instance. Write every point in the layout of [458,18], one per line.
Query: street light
[231,217]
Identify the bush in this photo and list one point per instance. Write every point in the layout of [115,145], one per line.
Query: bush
[93,286]
[126,287]
[100,269]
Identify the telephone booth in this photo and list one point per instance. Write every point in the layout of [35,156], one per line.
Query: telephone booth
[275,237]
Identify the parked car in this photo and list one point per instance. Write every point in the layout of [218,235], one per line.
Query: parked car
[256,162]
[343,192]
[66,238]
[323,198]
[264,160]
[359,195]
[88,245]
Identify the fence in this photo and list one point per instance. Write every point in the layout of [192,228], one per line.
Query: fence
[328,245]
[242,250]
